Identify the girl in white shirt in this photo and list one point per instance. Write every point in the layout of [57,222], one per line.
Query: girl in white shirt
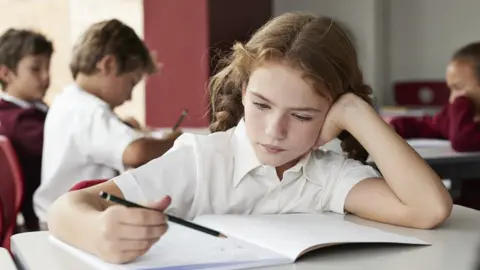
[293,87]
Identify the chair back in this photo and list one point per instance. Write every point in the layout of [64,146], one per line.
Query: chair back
[11,191]
[426,93]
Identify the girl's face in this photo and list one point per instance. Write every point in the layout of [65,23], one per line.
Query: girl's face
[283,114]
[463,81]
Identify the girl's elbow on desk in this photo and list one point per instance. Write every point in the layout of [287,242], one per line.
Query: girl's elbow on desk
[431,217]
[373,199]
[424,219]
[429,213]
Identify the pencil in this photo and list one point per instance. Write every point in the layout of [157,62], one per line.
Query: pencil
[112,198]
[180,120]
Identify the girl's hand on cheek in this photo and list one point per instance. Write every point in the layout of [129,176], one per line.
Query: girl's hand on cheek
[335,121]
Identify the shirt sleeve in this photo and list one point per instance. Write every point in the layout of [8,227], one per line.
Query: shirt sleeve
[105,139]
[464,132]
[351,173]
[162,176]
[422,127]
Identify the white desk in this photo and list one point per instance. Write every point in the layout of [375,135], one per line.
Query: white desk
[455,245]
[6,261]
[449,164]
[158,132]
[445,161]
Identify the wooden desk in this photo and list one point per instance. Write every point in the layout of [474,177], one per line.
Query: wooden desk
[455,245]
[6,261]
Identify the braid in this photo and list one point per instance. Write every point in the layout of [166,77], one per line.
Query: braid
[349,144]
[226,90]
[225,110]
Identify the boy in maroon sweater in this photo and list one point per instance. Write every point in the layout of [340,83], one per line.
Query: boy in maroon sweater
[24,78]
[458,121]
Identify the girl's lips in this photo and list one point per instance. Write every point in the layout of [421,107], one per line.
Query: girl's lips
[272,149]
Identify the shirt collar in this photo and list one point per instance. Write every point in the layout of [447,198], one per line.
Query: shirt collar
[24,104]
[245,159]
[301,163]
[77,90]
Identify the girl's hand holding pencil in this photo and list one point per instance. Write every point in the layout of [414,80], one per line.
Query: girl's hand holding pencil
[128,230]
[126,233]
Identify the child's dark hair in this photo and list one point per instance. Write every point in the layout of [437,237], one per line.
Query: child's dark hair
[471,53]
[110,37]
[317,46]
[15,44]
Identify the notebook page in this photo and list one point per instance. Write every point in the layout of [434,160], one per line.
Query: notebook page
[182,247]
[292,234]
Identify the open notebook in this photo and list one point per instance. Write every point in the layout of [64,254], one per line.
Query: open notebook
[253,241]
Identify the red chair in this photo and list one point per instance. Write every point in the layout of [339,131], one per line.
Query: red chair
[11,190]
[87,183]
[421,93]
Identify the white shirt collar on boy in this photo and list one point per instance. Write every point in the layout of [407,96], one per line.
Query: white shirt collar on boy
[24,104]
[220,174]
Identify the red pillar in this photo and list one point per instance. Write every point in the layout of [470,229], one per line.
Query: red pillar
[178,31]
[182,32]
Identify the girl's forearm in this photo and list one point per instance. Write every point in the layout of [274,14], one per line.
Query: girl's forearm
[411,179]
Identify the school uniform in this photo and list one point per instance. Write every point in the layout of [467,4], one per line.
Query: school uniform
[84,140]
[456,123]
[220,174]
[22,123]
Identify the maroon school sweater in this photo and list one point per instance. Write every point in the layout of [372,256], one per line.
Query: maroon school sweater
[455,122]
[24,128]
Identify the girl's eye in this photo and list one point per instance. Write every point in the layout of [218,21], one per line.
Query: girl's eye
[302,117]
[261,106]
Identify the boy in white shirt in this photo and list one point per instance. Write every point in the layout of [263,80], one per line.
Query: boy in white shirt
[294,86]
[83,138]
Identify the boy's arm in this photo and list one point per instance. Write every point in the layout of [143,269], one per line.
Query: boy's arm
[110,142]
[143,150]
[424,127]
[464,133]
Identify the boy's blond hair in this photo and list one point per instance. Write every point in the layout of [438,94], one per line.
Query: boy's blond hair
[110,37]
